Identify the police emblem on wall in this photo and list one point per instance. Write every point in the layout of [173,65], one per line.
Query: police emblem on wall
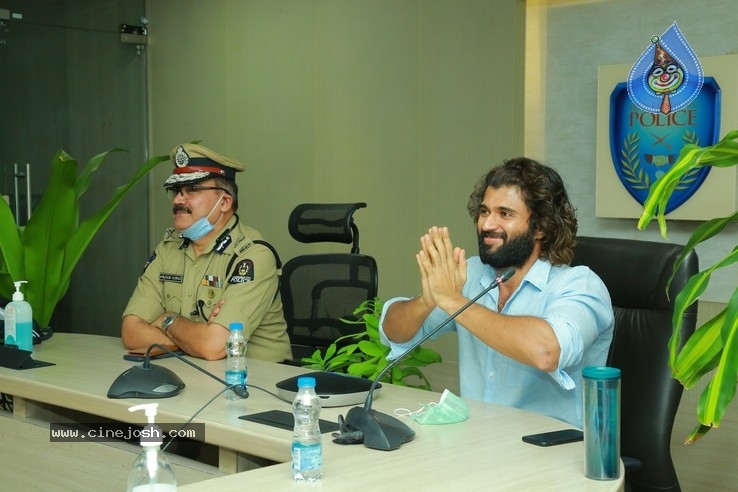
[665,104]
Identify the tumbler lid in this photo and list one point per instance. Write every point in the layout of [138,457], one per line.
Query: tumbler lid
[601,372]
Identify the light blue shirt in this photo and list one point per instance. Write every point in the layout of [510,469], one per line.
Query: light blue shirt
[573,300]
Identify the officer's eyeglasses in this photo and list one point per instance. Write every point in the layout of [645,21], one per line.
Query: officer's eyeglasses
[189,191]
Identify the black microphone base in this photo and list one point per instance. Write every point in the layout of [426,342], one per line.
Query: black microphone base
[380,431]
[146,382]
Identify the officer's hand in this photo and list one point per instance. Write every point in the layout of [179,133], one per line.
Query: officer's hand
[215,311]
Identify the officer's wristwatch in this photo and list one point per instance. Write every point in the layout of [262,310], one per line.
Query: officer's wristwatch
[168,320]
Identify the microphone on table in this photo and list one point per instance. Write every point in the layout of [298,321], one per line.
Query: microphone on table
[151,381]
[381,431]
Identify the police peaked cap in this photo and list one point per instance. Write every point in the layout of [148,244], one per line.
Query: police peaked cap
[194,163]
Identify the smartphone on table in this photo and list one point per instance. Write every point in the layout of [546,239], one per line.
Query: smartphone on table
[553,438]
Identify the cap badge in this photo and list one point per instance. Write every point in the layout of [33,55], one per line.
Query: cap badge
[181,158]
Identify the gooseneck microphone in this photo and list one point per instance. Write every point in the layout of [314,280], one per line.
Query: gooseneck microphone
[151,381]
[381,431]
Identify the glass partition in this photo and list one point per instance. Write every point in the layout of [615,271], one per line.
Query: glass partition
[68,81]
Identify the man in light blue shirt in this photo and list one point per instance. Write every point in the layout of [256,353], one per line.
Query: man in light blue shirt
[525,343]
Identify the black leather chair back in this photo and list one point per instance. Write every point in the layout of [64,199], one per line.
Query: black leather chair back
[636,274]
[318,290]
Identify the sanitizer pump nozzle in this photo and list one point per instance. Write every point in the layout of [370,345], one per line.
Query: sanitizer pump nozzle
[151,471]
[18,295]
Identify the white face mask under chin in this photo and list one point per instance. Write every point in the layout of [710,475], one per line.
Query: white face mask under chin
[202,226]
[450,409]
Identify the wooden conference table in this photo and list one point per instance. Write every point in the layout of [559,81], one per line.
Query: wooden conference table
[483,453]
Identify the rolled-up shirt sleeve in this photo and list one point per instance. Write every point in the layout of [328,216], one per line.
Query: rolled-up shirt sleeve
[396,349]
[433,321]
[579,316]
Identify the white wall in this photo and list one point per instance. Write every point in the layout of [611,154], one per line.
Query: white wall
[401,104]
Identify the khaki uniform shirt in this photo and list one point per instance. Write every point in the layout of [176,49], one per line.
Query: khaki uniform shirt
[235,269]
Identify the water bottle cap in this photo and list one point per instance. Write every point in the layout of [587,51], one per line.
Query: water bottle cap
[305,382]
[236,326]
[601,372]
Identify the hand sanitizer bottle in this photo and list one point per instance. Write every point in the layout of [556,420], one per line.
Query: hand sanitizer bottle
[152,471]
[19,321]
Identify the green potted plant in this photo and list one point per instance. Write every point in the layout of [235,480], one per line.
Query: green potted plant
[45,251]
[367,356]
[712,350]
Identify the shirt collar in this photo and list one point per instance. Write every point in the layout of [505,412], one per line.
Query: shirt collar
[536,276]
[219,244]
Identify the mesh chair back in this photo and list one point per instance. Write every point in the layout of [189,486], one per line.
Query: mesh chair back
[318,290]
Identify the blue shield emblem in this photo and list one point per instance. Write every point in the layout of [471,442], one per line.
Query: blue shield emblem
[645,144]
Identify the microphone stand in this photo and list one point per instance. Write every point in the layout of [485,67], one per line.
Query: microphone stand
[381,431]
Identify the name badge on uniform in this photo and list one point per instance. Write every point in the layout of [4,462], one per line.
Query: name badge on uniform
[244,272]
[170,277]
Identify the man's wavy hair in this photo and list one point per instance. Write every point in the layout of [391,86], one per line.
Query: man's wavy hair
[544,193]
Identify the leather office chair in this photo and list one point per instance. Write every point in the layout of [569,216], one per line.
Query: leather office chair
[320,289]
[636,273]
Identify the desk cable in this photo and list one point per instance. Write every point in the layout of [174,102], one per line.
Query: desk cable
[179,431]
[212,400]
[235,387]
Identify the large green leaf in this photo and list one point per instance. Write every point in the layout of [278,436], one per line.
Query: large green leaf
[705,231]
[689,294]
[46,235]
[723,154]
[85,177]
[713,348]
[721,390]
[46,251]
[82,237]
[12,265]
[701,352]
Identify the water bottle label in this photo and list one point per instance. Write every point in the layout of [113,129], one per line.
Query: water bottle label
[307,457]
[235,377]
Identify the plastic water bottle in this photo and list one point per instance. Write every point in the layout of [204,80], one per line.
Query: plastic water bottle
[307,443]
[236,372]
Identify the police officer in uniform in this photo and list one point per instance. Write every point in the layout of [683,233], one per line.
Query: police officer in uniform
[210,270]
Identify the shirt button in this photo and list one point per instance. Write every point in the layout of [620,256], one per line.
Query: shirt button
[491,374]
[197,266]
[189,294]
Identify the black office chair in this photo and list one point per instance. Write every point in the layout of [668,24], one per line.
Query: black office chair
[320,289]
[636,273]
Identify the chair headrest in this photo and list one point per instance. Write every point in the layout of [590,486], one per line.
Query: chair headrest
[649,266]
[324,222]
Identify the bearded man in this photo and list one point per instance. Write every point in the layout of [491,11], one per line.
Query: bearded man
[525,343]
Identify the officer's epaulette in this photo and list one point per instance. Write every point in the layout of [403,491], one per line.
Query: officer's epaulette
[242,248]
